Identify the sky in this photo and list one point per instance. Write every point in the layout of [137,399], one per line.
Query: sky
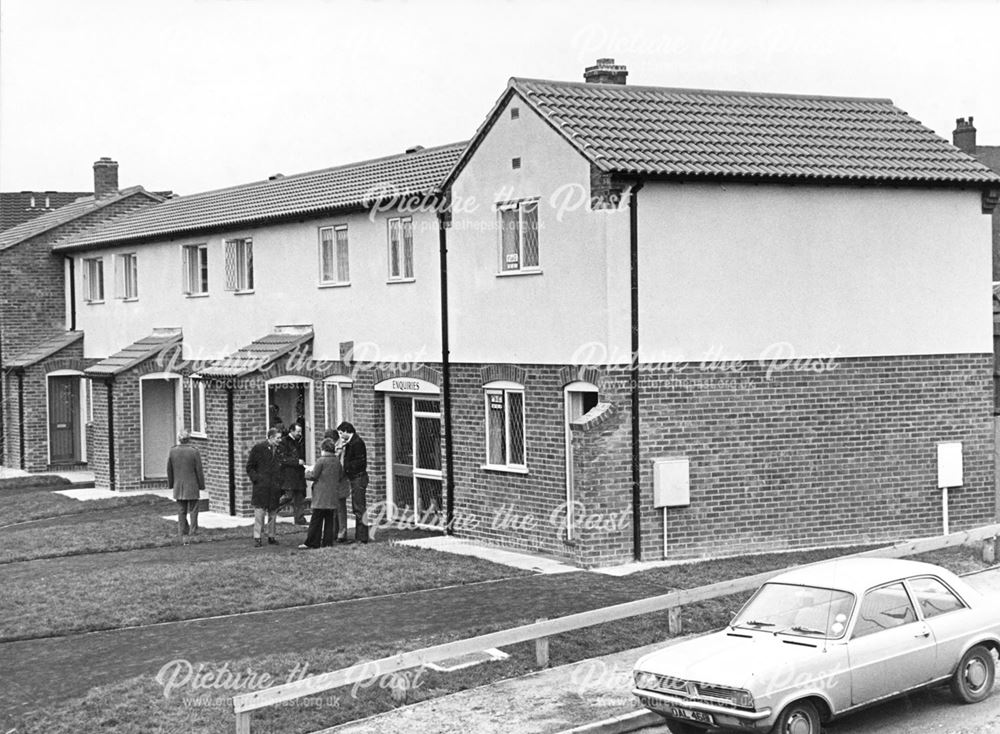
[194,95]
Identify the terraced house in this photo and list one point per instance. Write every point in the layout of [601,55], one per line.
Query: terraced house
[44,399]
[626,322]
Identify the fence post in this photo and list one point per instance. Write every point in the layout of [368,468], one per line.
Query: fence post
[542,649]
[398,686]
[242,722]
[674,620]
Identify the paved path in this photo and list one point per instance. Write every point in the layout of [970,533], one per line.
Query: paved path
[79,662]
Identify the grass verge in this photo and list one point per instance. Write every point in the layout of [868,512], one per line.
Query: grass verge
[139,705]
[27,506]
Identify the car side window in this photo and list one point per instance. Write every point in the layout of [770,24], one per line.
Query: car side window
[884,608]
[934,597]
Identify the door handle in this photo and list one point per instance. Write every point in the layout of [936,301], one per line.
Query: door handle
[923,633]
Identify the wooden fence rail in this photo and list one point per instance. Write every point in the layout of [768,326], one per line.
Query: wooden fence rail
[540,631]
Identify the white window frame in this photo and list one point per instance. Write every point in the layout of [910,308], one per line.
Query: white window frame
[505,389]
[505,266]
[200,263]
[240,277]
[341,265]
[127,276]
[196,393]
[339,386]
[93,263]
[400,266]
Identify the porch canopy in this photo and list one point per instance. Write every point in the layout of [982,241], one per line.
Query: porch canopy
[161,340]
[260,353]
[43,350]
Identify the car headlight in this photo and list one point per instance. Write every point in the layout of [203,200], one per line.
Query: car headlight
[743,699]
[645,680]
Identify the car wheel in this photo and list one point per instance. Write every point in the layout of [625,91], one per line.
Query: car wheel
[800,717]
[973,679]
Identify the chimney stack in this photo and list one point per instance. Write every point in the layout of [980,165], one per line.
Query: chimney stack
[964,136]
[606,71]
[105,178]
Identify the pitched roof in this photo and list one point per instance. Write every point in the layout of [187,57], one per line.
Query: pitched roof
[44,350]
[65,214]
[692,133]
[135,353]
[260,353]
[330,189]
[20,206]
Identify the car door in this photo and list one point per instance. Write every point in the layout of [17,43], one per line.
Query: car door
[946,615]
[890,649]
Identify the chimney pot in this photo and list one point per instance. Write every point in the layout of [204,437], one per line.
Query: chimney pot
[605,71]
[964,135]
[105,178]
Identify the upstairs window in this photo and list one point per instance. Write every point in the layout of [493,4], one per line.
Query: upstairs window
[518,236]
[239,265]
[126,276]
[334,268]
[195,269]
[93,280]
[401,248]
[505,426]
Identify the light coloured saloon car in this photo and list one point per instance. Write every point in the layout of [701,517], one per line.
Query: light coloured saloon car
[823,640]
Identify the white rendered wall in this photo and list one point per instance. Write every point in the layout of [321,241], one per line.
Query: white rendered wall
[399,321]
[741,272]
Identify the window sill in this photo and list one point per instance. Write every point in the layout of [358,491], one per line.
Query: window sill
[391,281]
[196,434]
[505,469]
[94,303]
[196,295]
[333,285]
[130,300]
[243,293]
[515,273]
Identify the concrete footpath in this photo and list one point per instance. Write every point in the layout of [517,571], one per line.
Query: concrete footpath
[590,696]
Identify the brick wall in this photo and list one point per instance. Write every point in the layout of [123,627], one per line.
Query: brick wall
[793,459]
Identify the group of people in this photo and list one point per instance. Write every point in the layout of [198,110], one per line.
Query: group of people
[278,472]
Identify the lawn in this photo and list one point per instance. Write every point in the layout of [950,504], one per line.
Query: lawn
[139,705]
[214,578]
[36,505]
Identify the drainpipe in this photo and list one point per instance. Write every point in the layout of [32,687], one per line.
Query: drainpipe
[72,294]
[633,224]
[109,383]
[3,401]
[444,221]
[20,412]
[231,450]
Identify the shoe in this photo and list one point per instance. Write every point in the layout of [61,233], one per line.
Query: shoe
[185,540]
[301,521]
[303,546]
[272,541]
[346,541]
[258,543]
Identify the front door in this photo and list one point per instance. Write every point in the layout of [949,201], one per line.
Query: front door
[159,425]
[414,438]
[64,420]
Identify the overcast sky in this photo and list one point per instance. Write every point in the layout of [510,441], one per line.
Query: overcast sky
[191,95]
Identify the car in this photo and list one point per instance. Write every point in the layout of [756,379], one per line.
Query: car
[823,640]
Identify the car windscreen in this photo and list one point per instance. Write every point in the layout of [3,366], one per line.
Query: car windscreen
[792,609]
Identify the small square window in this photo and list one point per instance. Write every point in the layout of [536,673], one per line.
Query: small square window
[515,112]
[515,163]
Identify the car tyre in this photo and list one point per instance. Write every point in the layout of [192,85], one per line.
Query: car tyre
[974,677]
[800,717]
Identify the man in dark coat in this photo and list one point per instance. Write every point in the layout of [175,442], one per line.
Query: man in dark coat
[264,469]
[186,477]
[292,451]
[355,458]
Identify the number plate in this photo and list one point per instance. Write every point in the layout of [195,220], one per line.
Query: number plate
[698,716]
